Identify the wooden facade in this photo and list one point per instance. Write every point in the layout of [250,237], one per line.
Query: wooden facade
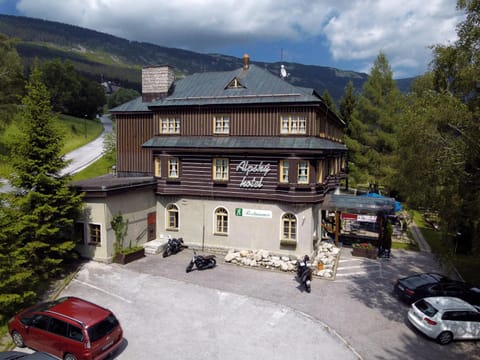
[279,152]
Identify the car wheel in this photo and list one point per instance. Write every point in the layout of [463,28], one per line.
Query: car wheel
[445,337]
[18,339]
[69,357]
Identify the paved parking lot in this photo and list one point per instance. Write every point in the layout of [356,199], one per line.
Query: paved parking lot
[232,312]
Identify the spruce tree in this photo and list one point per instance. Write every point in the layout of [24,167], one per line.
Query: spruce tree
[372,127]
[46,206]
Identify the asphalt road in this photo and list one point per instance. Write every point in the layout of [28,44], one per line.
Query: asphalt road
[232,312]
[79,158]
[84,156]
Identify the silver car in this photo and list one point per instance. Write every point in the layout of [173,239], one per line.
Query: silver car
[445,318]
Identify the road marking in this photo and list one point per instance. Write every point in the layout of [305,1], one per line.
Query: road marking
[104,291]
[353,273]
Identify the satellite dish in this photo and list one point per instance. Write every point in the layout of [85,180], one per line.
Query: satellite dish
[283,72]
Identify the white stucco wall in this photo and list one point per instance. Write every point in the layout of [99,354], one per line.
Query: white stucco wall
[134,206]
[197,224]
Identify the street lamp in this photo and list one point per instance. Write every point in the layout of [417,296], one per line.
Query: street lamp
[85,125]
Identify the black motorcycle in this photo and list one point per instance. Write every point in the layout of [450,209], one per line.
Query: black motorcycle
[304,273]
[173,246]
[201,262]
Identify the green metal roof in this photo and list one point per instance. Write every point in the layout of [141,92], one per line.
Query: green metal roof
[244,142]
[258,86]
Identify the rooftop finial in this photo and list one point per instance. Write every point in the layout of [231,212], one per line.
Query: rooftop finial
[246,62]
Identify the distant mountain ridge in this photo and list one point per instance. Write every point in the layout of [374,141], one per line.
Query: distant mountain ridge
[106,57]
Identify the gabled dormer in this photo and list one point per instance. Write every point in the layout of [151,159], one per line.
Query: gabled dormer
[235,84]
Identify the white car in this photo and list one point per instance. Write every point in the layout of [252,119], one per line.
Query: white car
[445,318]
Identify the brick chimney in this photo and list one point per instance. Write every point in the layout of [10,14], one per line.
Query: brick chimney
[156,82]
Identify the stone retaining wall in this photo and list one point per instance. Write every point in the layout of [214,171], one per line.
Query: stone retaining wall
[323,263]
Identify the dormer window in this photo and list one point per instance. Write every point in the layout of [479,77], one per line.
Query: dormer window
[235,84]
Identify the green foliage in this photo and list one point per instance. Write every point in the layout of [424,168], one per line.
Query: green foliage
[110,146]
[45,206]
[120,228]
[121,96]
[372,127]
[328,99]
[71,93]
[17,279]
[11,80]
[100,167]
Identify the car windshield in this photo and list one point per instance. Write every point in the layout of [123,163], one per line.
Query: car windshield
[103,328]
[426,308]
[423,279]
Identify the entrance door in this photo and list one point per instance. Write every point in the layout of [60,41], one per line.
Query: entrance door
[152,228]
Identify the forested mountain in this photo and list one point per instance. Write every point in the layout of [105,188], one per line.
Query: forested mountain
[101,56]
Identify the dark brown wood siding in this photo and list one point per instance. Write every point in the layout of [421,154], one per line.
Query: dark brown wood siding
[196,179]
[132,132]
[252,121]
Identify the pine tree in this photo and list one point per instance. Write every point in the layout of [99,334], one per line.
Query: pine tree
[373,126]
[46,206]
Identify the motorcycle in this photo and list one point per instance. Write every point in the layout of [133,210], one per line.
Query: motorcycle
[173,246]
[304,273]
[202,262]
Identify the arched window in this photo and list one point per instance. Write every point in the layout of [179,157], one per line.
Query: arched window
[289,229]
[172,217]
[221,221]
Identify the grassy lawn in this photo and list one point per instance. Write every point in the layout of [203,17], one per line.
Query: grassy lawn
[467,265]
[99,167]
[78,132]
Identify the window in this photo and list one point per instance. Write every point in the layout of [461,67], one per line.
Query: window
[221,124]
[58,327]
[94,234]
[289,228]
[41,322]
[283,172]
[302,175]
[75,333]
[158,167]
[173,168]
[320,171]
[293,124]
[221,221]
[172,217]
[220,169]
[170,126]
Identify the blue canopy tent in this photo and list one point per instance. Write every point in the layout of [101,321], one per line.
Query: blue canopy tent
[398,204]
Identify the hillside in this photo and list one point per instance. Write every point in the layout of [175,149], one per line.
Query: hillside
[101,56]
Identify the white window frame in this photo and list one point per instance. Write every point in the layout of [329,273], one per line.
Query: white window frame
[221,124]
[173,168]
[293,124]
[221,228]
[289,220]
[283,170]
[169,210]
[220,169]
[170,125]
[303,172]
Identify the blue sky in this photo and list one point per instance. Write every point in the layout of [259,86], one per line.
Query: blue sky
[345,34]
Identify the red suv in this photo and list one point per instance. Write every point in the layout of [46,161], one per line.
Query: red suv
[69,328]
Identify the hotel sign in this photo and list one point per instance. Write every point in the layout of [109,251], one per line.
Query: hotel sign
[253,174]
[267,214]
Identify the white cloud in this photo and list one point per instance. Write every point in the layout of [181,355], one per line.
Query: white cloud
[355,31]
[403,29]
